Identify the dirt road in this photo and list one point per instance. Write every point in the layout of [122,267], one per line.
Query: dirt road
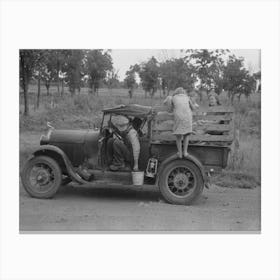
[139,209]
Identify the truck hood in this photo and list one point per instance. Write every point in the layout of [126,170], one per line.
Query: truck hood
[68,136]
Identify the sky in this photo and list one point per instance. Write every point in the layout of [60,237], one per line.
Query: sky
[123,58]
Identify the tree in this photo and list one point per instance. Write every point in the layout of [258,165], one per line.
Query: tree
[97,64]
[177,73]
[73,67]
[208,65]
[48,76]
[248,85]
[59,59]
[112,79]
[46,67]
[149,75]
[130,81]
[237,80]
[27,62]
[38,70]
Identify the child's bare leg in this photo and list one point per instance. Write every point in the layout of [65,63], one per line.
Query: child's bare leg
[186,144]
[179,145]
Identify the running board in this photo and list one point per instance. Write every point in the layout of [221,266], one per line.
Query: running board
[110,177]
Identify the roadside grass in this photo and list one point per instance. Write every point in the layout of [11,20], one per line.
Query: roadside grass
[246,171]
[84,111]
[234,179]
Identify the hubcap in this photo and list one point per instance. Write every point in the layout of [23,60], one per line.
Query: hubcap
[181,181]
[41,177]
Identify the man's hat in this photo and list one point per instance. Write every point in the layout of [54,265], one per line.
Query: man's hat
[120,121]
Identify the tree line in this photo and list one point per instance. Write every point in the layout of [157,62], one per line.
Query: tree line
[73,68]
[200,70]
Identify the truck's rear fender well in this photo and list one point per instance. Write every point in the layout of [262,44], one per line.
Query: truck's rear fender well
[190,158]
[61,158]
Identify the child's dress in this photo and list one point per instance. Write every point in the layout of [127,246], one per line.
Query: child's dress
[182,114]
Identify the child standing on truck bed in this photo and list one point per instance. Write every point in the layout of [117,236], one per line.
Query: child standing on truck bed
[182,107]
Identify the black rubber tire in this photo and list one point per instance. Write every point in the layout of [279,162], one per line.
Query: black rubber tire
[172,198]
[52,165]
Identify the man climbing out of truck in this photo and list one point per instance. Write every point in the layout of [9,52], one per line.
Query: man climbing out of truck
[125,145]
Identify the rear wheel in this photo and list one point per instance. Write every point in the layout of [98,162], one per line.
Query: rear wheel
[41,177]
[181,182]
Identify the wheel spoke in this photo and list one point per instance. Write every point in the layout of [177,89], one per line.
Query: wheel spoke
[181,181]
[41,177]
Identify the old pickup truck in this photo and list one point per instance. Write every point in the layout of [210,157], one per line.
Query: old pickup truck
[63,153]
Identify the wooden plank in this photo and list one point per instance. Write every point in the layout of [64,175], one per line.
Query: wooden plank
[163,116]
[214,109]
[216,118]
[167,126]
[168,136]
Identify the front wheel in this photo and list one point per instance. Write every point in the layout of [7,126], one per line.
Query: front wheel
[181,182]
[41,177]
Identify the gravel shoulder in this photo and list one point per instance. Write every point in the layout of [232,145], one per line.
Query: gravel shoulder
[128,209]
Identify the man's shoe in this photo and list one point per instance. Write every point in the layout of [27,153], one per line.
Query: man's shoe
[119,168]
[85,174]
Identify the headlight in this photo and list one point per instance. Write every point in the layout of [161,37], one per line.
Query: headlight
[46,138]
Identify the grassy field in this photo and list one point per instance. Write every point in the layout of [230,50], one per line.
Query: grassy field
[84,111]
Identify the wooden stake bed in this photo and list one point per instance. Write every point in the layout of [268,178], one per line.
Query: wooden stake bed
[211,126]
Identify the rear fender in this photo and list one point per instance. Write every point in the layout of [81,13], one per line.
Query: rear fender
[58,155]
[190,158]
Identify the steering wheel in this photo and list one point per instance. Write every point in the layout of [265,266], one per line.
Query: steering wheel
[107,131]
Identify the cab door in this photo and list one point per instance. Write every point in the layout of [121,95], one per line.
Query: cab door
[104,135]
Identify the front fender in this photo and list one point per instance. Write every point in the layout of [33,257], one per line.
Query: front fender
[190,158]
[55,152]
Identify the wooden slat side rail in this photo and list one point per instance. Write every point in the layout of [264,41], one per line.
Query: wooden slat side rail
[168,136]
[214,109]
[217,118]
[213,127]
[168,126]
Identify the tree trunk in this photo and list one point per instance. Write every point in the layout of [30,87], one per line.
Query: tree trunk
[200,96]
[26,105]
[72,91]
[39,93]
[228,95]
[130,93]
[239,97]
[52,101]
[231,98]
[57,70]
[248,97]
[48,88]
[95,91]
[57,79]
[62,88]
[154,90]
